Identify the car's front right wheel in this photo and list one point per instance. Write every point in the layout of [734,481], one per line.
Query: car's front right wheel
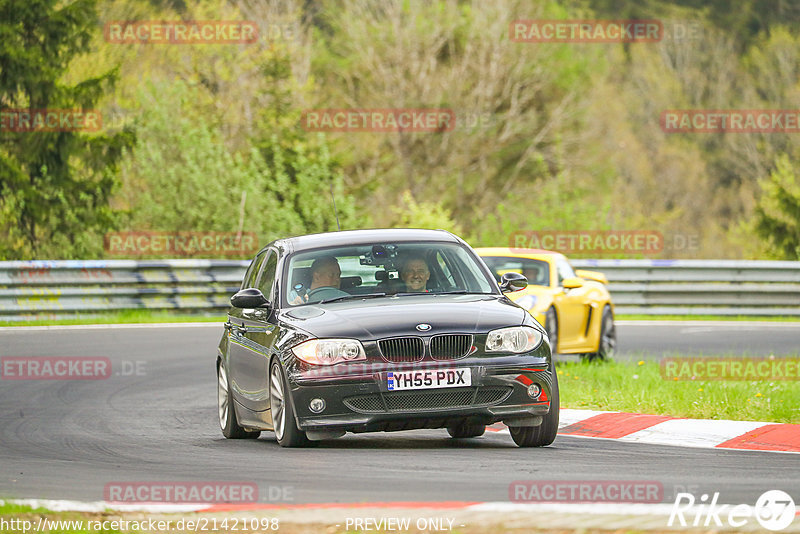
[282,410]
[607,342]
[545,433]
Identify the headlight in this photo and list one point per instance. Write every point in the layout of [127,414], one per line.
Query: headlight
[329,351]
[527,301]
[515,339]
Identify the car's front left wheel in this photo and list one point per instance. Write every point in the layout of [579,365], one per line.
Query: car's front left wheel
[545,433]
[282,410]
[227,414]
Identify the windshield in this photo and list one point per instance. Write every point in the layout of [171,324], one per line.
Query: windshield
[382,269]
[536,271]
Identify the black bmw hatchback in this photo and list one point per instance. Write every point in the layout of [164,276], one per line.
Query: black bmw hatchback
[381,330]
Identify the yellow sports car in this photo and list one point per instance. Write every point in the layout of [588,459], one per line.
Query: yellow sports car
[574,306]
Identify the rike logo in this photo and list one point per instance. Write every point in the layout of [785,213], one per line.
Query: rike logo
[774,510]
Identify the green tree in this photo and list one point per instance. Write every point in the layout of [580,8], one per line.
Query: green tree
[54,186]
[777,214]
[433,215]
[181,176]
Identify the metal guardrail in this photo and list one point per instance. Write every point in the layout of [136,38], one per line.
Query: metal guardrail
[701,287]
[53,289]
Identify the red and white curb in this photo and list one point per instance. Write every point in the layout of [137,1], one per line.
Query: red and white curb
[666,430]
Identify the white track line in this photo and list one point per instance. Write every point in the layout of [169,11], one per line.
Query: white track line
[715,324]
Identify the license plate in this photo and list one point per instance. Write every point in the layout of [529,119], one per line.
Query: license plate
[429,379]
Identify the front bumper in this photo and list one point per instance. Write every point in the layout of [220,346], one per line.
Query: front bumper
[358,399]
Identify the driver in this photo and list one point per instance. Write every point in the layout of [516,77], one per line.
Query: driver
[325,280]
[415,274]
[536,275]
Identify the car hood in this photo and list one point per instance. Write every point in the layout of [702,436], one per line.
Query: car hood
[396,316]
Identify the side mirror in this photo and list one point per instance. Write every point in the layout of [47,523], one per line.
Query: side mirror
[249,298]
[510,282]
[572,283]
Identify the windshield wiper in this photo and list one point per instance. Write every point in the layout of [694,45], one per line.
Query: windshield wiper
[348,297]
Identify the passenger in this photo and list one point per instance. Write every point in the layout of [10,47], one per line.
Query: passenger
[415,274]
[325,281]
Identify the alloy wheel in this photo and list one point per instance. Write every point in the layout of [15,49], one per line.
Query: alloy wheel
[222,396]
[277,401]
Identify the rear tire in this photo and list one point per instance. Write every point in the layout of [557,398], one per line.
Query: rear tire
[545,433]
[466,430]
[282,411]
[227,413]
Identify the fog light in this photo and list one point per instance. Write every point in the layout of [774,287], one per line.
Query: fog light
[534,390]
[316,405]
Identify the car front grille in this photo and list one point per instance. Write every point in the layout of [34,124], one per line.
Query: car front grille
[402,349]
[450,346]
[414,401]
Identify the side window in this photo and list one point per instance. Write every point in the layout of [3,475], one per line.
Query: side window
[267,277]
[252,271]
[564,270]
[448,282]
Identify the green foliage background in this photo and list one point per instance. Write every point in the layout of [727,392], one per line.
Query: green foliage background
[548,136]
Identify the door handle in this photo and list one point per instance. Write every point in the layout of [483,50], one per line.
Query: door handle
[239,329]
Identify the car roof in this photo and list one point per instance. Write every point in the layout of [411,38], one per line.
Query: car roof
[517,252]
[363,237]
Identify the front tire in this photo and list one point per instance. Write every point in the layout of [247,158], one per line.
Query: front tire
[466,430]
[607,344]
[551,327]
[545,433]
[282,411]
[227,414]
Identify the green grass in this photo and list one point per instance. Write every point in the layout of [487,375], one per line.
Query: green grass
[8,508]
[766,318]
[122,317]
[639,387]
[19,513]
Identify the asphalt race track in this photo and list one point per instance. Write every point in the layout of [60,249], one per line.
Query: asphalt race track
[155,419]
[654,339]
